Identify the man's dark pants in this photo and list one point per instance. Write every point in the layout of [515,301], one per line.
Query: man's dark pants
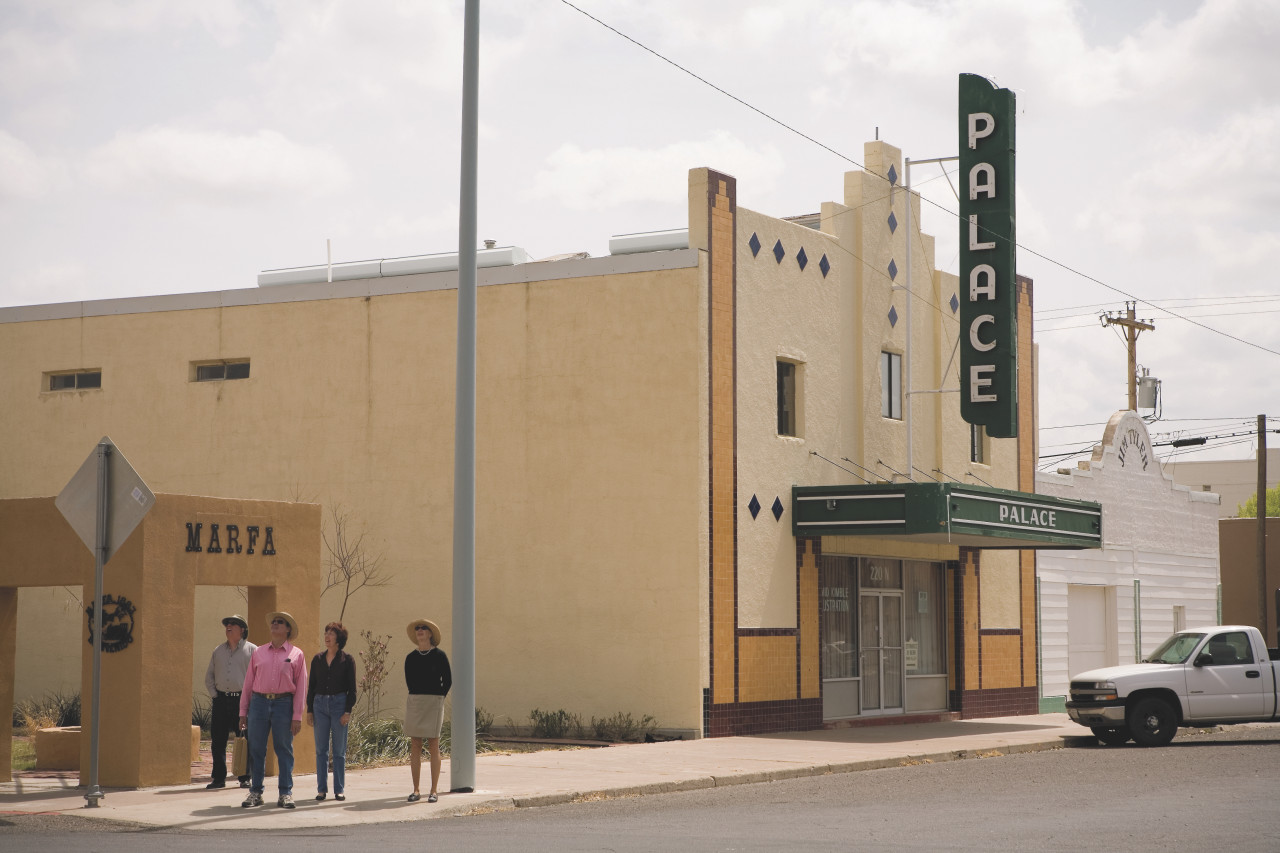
[225,721]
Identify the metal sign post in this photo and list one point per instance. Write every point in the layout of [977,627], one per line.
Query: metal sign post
[103,503]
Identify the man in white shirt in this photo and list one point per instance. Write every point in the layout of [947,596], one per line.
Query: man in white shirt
[223,679]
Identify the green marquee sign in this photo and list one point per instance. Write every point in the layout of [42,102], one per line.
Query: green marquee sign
[988,319]
[947,513]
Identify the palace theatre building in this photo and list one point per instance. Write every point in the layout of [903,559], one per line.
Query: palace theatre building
[722,475]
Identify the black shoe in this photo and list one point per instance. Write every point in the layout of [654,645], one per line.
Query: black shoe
[320,798]
[244,783]
[339,797]
[213,785]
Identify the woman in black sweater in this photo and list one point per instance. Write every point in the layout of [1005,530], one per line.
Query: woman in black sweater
[428,677]
[331,694]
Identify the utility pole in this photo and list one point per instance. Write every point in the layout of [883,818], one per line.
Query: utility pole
[1262,524]
[1132,328]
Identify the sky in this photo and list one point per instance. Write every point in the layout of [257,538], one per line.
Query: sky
[163,146]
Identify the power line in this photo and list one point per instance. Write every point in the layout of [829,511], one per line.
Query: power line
[924,200]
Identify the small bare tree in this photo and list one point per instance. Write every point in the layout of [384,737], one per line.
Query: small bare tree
[350,567]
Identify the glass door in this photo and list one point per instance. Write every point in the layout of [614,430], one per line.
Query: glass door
[880,618]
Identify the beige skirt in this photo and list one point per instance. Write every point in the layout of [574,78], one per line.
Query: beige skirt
[423,715]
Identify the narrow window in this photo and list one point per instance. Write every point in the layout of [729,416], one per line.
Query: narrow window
[786,398]
[891,385]
[978,444]
[74,380]
[218,370]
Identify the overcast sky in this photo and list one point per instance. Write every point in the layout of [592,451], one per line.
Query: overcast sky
[166,146]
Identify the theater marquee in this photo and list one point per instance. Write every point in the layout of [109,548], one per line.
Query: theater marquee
[988,319]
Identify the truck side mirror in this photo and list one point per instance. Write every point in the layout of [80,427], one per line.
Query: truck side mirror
[1204,659]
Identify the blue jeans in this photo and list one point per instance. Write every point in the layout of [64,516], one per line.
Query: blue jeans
[274,716]
[328,711]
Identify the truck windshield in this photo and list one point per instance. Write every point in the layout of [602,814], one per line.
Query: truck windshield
[1176,649]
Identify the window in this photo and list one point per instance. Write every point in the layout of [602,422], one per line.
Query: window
[74,381]
[838,627]
[788,422]
[218,370]
[978,444]
[926,622]
[891,385]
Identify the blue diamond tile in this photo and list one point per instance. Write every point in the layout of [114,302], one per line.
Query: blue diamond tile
[893,316]
[754,243]
[778,252]
[955,304]
[893,176]
[893,222]
[825,266]
[754,506]
[893,270]
[777,509]
[802,259]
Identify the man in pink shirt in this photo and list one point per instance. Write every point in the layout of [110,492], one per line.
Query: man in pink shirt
[274,694]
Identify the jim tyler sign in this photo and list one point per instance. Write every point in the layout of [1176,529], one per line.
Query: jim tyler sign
[988,319]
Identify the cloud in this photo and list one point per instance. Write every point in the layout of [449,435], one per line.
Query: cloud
[596,179]
[214,167]
[223,20]
[24,174]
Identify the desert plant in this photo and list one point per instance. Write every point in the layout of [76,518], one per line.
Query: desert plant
[374,661]
[372,742]
[484,720]
[623,727]
[555,724]
[202,713]
[51,710]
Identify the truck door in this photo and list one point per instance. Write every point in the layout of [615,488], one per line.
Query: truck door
[1229,684]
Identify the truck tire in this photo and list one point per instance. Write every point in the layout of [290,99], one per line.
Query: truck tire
[1152,721]
[1113,737]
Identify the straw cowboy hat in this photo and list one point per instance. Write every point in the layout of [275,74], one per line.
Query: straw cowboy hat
[280,614]
[412,631]
[237,619]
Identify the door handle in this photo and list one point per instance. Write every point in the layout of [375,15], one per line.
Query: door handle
[1252,673]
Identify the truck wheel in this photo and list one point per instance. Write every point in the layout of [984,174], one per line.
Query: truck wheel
[1113,737]
[1152,722]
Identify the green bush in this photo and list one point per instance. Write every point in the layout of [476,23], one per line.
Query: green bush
[555,724]
[623,727]
[484,720]
[52,710]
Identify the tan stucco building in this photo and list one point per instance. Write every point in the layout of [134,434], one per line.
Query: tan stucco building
[673,443]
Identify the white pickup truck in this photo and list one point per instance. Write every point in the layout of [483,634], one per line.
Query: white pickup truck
[1200,677]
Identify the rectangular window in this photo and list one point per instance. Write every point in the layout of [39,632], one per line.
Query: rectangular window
[73,381]
[838,626]
[787,398]
[219,370]
[891,385]
[978,444]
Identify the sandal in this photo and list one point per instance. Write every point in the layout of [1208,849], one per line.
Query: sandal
[431,798]
[414,797]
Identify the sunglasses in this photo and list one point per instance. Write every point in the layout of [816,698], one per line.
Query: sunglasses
[422,628]
[278,622]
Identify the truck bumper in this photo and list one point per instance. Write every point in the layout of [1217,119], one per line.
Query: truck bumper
[1096,716]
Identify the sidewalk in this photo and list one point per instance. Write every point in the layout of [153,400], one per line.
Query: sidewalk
[507,781]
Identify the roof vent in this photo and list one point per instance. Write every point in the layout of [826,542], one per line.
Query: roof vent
[487,257]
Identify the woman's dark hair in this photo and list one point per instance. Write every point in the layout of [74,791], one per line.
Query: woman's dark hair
[339,633]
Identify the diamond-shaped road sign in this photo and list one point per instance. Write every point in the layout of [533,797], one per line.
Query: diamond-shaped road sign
[128,500]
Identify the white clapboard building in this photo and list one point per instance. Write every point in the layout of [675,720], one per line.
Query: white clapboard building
[1157,570]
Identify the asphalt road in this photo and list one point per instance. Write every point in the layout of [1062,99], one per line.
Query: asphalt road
[1210,791]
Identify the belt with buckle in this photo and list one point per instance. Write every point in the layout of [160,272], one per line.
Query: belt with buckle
[272,695]
[235,695]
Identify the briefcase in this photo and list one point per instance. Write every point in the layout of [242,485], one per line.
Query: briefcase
[240,757]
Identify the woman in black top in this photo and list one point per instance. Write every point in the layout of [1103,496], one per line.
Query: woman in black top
[428,677]
[331,694]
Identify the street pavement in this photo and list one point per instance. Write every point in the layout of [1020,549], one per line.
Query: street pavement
[550,777]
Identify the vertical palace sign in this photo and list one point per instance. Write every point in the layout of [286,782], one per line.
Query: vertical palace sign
[988,319]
